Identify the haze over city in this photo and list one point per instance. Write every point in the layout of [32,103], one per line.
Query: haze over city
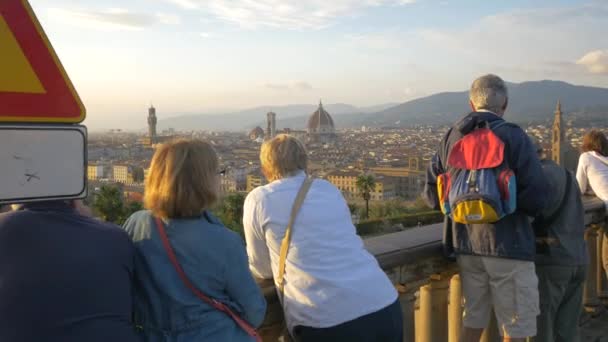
[197,57]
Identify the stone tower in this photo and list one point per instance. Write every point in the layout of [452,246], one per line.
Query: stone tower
[271,120]
[152,124]
[558,138]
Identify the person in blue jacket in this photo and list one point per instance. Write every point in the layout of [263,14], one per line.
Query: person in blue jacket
[496,260]
[182,184]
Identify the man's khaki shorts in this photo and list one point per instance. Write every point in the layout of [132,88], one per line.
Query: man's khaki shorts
[507,285]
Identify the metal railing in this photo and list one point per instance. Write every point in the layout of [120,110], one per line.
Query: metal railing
[429,285]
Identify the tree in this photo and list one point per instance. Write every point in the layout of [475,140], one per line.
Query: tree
[230,211]
[108,204]
[365,185]
[233,206]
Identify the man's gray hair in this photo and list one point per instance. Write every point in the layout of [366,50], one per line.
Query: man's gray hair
[489,92]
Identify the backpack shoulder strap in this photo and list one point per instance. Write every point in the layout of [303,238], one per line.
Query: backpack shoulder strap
[295,209]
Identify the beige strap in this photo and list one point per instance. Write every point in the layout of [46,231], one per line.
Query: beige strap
[297,204]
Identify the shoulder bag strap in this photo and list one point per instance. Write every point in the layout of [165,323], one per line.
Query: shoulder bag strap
[250,330]
[287,239]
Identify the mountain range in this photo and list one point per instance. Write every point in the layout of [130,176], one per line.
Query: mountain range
[532,101]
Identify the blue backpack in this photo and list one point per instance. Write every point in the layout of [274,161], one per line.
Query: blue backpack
[478,187]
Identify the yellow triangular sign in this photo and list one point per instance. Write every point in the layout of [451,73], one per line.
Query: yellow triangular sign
[16,74]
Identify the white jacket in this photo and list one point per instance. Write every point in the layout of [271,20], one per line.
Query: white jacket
[592,174]
[330,278]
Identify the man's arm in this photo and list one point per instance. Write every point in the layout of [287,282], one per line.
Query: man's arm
[430,186]
[581,174]
[257,250]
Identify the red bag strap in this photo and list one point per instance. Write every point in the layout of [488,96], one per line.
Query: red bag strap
[250,330]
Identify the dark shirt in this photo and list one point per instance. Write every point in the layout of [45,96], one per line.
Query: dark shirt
[563,242]
[63,277]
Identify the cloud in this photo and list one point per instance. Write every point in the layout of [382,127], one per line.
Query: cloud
[285,14]
[298,86]
[168,19]
[111,18]
[522,38]
[596,62]
[302,86]
[186,4]
[206,35]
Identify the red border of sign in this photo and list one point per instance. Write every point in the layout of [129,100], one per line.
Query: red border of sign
[60,103]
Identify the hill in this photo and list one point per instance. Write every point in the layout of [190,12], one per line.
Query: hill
[293,116]
[532,101]
[528,101]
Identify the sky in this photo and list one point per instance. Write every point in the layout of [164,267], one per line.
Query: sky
[214,56]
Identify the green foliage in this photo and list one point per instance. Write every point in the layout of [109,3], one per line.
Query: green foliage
[376,226]
[138,174]
[391,208]
[109,205]
[365,185]
[230,211]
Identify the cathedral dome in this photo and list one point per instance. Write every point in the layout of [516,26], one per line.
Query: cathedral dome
[255,133]
[320,121]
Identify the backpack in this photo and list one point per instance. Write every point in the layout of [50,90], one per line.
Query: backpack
[479,187]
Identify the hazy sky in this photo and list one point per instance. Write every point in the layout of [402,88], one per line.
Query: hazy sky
[189,56]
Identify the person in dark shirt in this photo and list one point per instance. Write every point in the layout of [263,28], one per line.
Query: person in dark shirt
[64,276]
[561,255]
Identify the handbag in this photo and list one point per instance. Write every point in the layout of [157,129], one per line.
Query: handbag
[216,304]
[295,209]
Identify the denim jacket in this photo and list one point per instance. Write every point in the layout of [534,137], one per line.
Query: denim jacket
[214,260]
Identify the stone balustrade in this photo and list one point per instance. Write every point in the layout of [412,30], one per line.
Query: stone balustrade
[429,284]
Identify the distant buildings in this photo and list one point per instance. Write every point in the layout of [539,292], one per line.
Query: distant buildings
[95,171]
[320,126]
[409,181]
[122,174]
[346,182]
[254,180]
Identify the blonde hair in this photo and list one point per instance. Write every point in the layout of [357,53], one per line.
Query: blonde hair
[183,179]
[283,156]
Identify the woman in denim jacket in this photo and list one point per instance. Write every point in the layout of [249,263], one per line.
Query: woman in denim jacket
[183,182]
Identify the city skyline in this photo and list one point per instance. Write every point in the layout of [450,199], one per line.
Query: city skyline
[189,56]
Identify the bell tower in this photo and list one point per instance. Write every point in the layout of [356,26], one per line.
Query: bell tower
[152,124]
[558,136]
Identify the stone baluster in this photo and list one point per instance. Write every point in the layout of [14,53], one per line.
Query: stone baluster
[455,309]
[590,298]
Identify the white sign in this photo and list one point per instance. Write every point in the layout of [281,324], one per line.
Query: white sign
[42,162]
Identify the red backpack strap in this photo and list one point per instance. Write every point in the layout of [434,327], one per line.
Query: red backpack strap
[250,330]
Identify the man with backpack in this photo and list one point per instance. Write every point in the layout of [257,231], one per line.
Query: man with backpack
[561,255]
[488,181]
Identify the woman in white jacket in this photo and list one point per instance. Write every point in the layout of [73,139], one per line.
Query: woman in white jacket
[592,172]
[334,290]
